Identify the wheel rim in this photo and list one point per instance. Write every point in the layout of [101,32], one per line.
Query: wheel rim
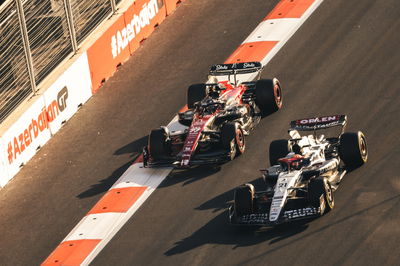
[278,95]
[240,140]
[363,148]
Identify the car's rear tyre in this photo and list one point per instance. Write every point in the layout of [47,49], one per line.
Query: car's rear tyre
[158,143]
[196,93]
[353,149]
[321,187]
[233,139]
[269,96]
[244,199]
[278,149]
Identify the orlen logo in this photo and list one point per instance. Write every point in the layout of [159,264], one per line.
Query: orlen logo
[121,39]
[318,120]
[31,132]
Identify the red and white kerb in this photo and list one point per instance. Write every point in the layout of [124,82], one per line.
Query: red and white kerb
[114,209]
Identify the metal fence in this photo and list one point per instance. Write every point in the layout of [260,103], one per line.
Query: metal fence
[36,35]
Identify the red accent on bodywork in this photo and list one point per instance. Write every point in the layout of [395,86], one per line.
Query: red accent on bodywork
[192,139]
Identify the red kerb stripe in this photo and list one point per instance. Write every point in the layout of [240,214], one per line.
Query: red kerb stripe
[72,252]
[117,200]
[290,9]
[252,51]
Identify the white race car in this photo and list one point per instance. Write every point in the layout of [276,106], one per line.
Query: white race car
[304,173]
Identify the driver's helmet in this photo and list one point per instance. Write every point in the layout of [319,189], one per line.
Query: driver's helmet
[292,161]
[214,92]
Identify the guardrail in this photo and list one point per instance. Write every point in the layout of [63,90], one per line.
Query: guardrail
[35,36]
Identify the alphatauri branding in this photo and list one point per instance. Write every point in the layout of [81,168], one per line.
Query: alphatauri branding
[121,39]
[47,115]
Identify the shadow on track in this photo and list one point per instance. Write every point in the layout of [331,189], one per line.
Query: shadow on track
[217,231]
[189,176]
[135,149]
[220,202]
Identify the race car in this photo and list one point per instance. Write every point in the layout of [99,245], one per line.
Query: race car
[219,115]
[304,173]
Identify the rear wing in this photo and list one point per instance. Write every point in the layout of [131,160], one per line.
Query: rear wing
[233,69]
[315,123]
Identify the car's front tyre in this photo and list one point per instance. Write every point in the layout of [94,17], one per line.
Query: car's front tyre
[158,143]
[233,139]
[244,200]
[320,187]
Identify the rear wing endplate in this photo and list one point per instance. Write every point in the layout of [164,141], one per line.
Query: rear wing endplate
[315,123]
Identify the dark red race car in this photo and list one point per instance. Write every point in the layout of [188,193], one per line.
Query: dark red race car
[219,115]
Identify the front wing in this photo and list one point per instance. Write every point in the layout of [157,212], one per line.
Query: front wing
[287,215]
[204,158]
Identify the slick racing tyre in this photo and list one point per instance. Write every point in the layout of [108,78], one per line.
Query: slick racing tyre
[196,93]
[244,199]
[232,139]
[321,187]
[158,144]
[269,95]
[353,149]
[278,149]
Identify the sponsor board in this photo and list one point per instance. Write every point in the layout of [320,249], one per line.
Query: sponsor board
[24,137]
[141,18]
[4,175]
[44,118]
[102,62]
[72,89]
[123,38]
[171,5]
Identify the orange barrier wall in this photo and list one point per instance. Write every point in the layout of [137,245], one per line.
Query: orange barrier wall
[142,18]
[123,38]
[171,5]
[105,54]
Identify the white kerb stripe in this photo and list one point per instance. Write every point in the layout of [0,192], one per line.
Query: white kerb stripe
[138,176]
[116,226]
[291,31]
[95,226]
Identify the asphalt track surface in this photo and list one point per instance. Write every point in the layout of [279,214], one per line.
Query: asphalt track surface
[344,59]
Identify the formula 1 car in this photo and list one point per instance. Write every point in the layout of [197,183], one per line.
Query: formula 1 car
[304,173]
[218,117]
